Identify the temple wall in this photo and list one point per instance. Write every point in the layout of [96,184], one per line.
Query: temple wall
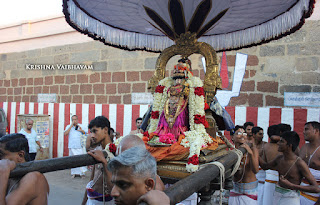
[290,64]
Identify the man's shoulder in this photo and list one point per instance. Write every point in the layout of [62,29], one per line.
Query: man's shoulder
[22,131]
[34,178]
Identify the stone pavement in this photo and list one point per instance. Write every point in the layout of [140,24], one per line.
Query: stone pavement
[64,190]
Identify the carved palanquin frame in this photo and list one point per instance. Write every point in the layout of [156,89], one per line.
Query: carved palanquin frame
[185,46]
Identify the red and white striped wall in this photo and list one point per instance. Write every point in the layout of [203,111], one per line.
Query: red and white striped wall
[122,118]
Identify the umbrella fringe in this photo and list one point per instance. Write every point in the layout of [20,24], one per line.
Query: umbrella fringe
[115,36]
[263,32]
[272,29]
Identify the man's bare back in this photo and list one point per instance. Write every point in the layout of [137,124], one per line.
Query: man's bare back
[270,151]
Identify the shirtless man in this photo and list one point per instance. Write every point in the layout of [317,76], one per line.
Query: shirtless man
[128,142]
[291,170]
[257,133]
[270,152]
[100,135]
[310,153]
[248,129]
[138,125]
[31,189]
[245,189]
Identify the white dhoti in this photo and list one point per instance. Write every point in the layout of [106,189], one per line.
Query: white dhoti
[307,198]
[261,177]
[283,196]
[79,170]
[244,194]
[95,202]
[272,178]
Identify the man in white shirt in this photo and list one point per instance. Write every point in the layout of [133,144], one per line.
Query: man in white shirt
[74,132]
[33,139]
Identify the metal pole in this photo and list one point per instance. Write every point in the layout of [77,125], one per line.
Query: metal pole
[50,165]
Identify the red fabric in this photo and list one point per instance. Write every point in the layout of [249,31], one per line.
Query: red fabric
[224,71]
[254,197]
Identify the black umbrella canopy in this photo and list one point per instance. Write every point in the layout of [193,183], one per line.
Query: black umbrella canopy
[154,25]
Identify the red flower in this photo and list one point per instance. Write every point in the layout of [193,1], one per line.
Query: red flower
[194,160]
[159,89]
[198,119]
[112,148]
[155,114]
[199,91]
[146,134]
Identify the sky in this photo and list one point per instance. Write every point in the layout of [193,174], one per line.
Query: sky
[18,11]
[21,11]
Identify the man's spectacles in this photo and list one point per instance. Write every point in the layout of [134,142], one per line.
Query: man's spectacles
[241,133]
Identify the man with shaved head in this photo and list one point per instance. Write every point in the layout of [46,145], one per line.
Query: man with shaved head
[129,141]
[96,185]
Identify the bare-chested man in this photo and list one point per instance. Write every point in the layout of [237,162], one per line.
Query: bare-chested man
[97,190]
[96,183]
[310,153]
[270,152]
[291,171]
[257,133]
[248,129]
[33,188]
[245,189]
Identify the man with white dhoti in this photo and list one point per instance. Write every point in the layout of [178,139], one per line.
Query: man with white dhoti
[74,132]
[257,134]
[270,152]
[291,172]
[310,153]
[245,183]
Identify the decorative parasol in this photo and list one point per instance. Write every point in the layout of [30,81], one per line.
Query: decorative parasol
[155,25]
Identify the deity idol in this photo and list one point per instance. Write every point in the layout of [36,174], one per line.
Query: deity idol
[175,116]
[177,124]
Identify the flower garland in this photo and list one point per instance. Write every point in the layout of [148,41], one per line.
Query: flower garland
[111,150]
[160,97]
[197,137]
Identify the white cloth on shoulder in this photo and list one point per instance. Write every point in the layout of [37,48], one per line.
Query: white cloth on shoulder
[283,196]
[272,178]
[307,198]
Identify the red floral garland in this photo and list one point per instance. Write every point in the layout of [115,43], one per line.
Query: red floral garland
[198,119]
[194,160]
[159,89]
[199,91]
[112,148]
[155,114]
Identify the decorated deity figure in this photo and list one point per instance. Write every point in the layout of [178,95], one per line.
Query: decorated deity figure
[177,124]
[175,116]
